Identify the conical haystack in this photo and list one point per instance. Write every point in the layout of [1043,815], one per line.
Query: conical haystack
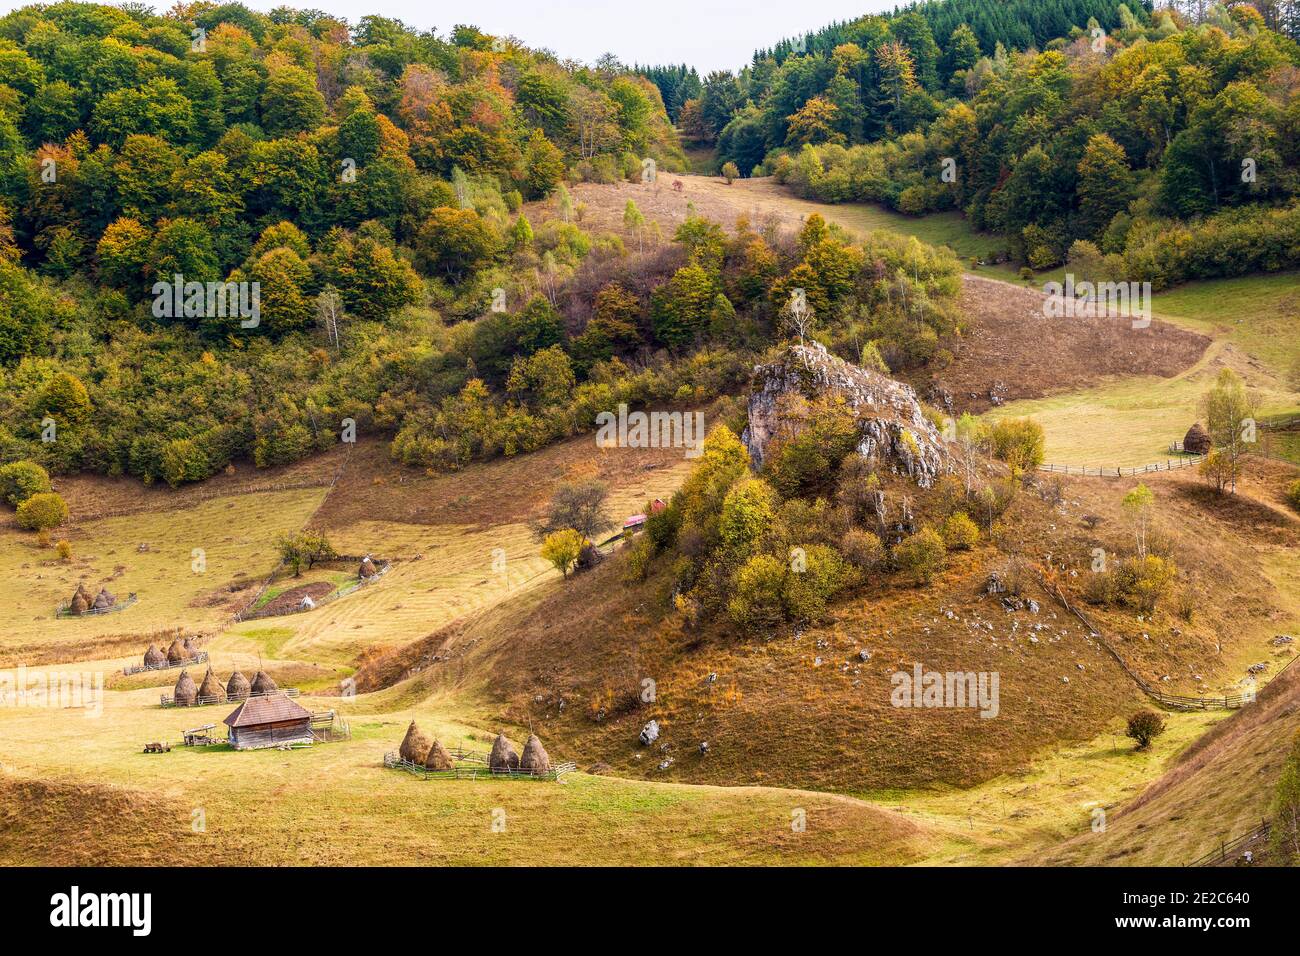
[103,600]
[237,687]
[79,604]
[153,657]
[185,691]
[188,646]
[367,569]
[535,758]
[415,745]
[176,653]
[503,756]
[211,688]
[262,684]
[438,758]
[1197,440]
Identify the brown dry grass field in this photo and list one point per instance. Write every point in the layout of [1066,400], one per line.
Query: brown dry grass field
[799,726]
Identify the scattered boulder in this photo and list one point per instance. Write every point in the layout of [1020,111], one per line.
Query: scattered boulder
[438,758]
[1197,441]
[415,745]
[503,757]
[535,759]
[237,688]
[185,691]
[649,733]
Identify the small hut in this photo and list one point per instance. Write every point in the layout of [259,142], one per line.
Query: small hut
[154,657]
[211,689]
[503,757]
[415,745]
[269,722]
[176,652]
[185,692]
[438,758]
[1197,440]
[262,685]
[535,759]
[237,687]
[367,569]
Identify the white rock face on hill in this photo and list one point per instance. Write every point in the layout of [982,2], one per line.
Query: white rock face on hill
[892,428]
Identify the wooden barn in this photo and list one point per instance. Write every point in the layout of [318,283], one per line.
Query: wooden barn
[269,722]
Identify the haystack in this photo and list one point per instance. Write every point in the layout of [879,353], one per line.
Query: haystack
[438,758]
[153,657]
[415,745]
[79,604]
[103,600]
[176,653]
[262,684]
[503,757]
[367,568]
[190,649]
[185,691]
[1197,440]
[211,688]
[535,759]
[237,687]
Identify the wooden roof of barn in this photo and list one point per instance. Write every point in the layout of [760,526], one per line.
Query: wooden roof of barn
[266,710]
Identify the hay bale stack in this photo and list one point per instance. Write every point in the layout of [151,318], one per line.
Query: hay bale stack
[438,758]
[185,691]
[503,757]
[367,568]
[188,645]
[176,652]
[153,657]
[211,688]
[237,687]
[262,684]
[415,745]
[79,604]
[1197,440]
[535,759]
[103,600]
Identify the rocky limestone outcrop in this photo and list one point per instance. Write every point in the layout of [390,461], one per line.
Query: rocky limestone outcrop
[892,428]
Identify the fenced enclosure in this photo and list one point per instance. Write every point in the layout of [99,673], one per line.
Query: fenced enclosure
[200,658]
[252,612]
[65,608]
[1107,471]
[475,767]
[327,726]
[169,701]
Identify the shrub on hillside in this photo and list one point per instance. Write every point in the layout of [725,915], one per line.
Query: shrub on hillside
[807,591]
[43,511]
[1017,441]
[20,480]
[65,550]
[959,532]
[1144,727]
[921,555]
[862,549]
[562,549]
[757,592]
[1293,494]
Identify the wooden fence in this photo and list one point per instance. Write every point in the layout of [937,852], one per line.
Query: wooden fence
[200,658]
[475,767]
[1170,701]
[1170,464]
[1231,849]
[65,609]
[169,701]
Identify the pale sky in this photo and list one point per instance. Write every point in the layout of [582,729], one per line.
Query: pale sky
[707,34]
